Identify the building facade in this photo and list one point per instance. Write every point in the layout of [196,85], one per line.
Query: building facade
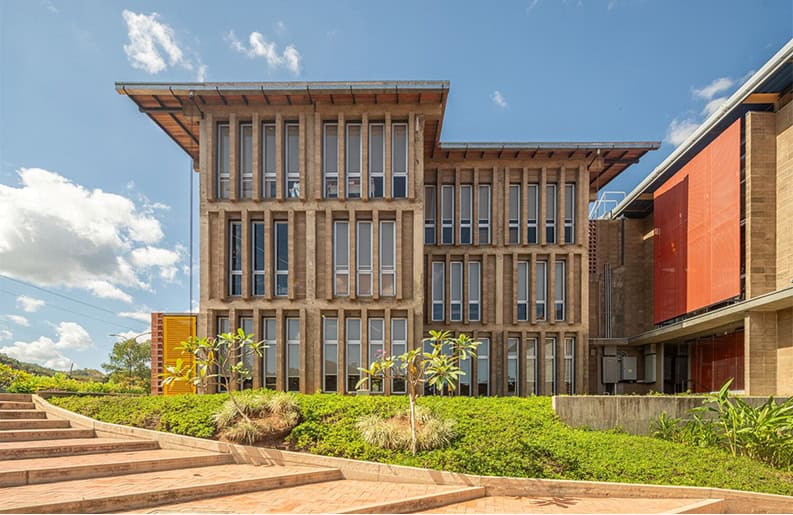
[691,280]
[335,226]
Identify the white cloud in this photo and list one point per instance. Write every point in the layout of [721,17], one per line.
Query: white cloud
[714,88]
[29,304]
[50,6]
[97,241]
[713,106]
[259,47]
[499,99]
[153,46]
[46,351]
[143,315]
[137,335]
[5,334]
[679,130]
[19,320]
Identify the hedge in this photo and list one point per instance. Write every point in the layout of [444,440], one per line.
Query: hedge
[519,437]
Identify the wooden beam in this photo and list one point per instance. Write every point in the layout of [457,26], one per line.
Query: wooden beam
[762,98]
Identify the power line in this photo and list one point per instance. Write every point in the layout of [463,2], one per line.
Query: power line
[78,301]
[104,321]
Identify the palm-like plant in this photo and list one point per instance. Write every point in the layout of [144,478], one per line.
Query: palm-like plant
[438,369]
[220,358]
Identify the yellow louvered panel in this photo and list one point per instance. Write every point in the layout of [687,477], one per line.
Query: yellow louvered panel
[176,329]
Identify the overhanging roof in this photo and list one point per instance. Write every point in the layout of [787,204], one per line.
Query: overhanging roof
[617,156]
[166,103]
[707,322]
[759,93]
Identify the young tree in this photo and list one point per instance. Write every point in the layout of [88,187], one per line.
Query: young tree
[130,362]
[221,358]
[437,368]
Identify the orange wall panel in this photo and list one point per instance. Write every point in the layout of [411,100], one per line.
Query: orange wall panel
[177,329]
[697,255]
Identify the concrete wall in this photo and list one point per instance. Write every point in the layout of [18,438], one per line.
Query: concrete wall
[633,413]
[784,196]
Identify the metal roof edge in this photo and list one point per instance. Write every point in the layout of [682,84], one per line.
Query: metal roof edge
[539,145]
[769,68]
[297,86]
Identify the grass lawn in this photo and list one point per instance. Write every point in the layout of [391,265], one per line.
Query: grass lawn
[494,436]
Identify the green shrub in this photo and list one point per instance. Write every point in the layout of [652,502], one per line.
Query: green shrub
[265,415]
[519,437]
[23,382]
[393,432]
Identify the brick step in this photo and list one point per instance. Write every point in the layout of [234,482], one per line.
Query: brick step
[16,405]
[22,413]
[104,494]
[27,423]
[19,435]
[68,468]
[16,397]
[71,447]
[342,496]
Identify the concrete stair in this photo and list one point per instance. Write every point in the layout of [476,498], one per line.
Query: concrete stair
[48,466]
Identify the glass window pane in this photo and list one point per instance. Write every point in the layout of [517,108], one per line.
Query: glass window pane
[399,148]
[341,244]
[376,149]
[523,281]
[223,149]
[353,149]
[447,202]
[246,142]
[331,147]
[282,246]
[465,203]
[293,148]
[258,246]
[387,239]
[532,203]
[365,245]
[514,202]
[269,148]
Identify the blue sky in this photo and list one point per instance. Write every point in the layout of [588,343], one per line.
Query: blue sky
[94,197]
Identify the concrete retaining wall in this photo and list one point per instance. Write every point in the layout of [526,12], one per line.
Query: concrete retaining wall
[632,413]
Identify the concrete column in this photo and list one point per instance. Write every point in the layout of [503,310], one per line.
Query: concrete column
[292,256]
[245,222]
[258,334]
[760,353]
[280,350]
[388,155]
[365,157]
[311,254]
[269,260]
[234,152]
[280,173]
[304,182]
[541,206]
[342,162]
[257,156]
[376,254]
[560,206]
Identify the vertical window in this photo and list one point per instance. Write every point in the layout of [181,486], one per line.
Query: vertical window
[483,208]
[559,289]
[569,213]
[569,366]
[399,346]
[292,160]
[514,214]
[246,383]
[447,215]
[364,242]
[376,160]
[466,199]
[541,287]
[341,258]
[550,366]
[531,366]
[223,326]
[353,335]
[235,259]
[483,367]
[513,368]
[474,291]
[523,290]
[270,365]
[376,350]
[293,354]
[330,371]
[246,160]
[268,160]
[456,293]
[429,215]
[222,165]
[353,154]
[257,250]
[464,387]
[550,213]
[281,259]
[438,285]
[399,160]
[330,160]
[531,221]
[388,259]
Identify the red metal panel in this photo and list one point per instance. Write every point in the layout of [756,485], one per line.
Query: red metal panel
[697,230]
[715,360]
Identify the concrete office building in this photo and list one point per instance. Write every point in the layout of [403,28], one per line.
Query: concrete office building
[692,273]
[336,225]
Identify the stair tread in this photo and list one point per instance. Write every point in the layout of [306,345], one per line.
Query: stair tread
[43,444]
[19,497]
[103,458]
[327,497]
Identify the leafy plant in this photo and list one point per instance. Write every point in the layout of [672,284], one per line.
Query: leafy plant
[130,362]
[220,358]
[393,432]
[257,415]
[437,368]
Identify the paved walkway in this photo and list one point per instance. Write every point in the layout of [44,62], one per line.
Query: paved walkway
[509,504]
